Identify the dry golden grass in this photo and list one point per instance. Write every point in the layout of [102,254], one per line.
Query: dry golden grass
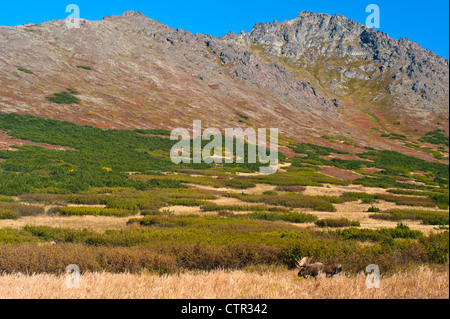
[94,223]
[258,189]
[420,283]
[337,190]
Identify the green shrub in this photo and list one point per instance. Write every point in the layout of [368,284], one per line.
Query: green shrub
[151,213]
[397,199]
[186,202]
[292,217]
[87,199]
[72,91]
[8,214]
[84,67]
[209,207]
[319,203]
[293,189]
[333,222]
[25,70]
[437,246]
[377,235]
[154,131]
[427,217]
[435,137]
[435,220]
[193,242]
[6,199]
[96,211]
[239,183]
[408,200]
[242,116]
[20,209]
[78,170]
[63,98]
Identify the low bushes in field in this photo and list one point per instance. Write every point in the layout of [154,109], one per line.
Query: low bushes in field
[6,199]
[397,199]
[16,236]
[95,211]
[319,203]
[385,182]
[439,195]
[31,258]
[151,212]
[435,137]
[129,199]
[183,178]
[292,189]
[154,131]
[435,220]
[8,214]
[292,217]
[426,216]
[44,198]
[193,242]
[186,201]
[295,177]
[235,222]
[437,246]
[213,207]
[14,210]
[441,199]
[377,235]
[408,200]
[239,183]
[337,222]
[87,199]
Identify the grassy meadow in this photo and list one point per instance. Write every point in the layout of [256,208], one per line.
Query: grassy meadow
[113,203]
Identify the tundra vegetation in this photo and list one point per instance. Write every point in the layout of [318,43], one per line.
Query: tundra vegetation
[175,218]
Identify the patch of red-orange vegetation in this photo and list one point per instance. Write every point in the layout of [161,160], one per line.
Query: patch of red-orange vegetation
[343,174]
[371,170]
[347,157]
[286,151]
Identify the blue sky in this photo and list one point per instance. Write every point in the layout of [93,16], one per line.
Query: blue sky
[426,22]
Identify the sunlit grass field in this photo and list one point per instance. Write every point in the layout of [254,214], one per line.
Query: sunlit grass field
[135,224]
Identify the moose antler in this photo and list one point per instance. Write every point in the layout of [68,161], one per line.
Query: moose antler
[300,262]
[303,262]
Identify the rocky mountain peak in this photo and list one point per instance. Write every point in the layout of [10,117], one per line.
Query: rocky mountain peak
[303,74]
[342,51]
[132,14]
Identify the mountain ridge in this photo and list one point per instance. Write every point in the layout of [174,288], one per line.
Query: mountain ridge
[311,76]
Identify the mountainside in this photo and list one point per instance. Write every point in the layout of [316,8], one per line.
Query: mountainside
[318,78]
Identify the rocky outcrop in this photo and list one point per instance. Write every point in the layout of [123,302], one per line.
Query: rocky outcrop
[412,77]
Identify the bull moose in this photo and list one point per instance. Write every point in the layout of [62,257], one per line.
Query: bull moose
[313,270]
